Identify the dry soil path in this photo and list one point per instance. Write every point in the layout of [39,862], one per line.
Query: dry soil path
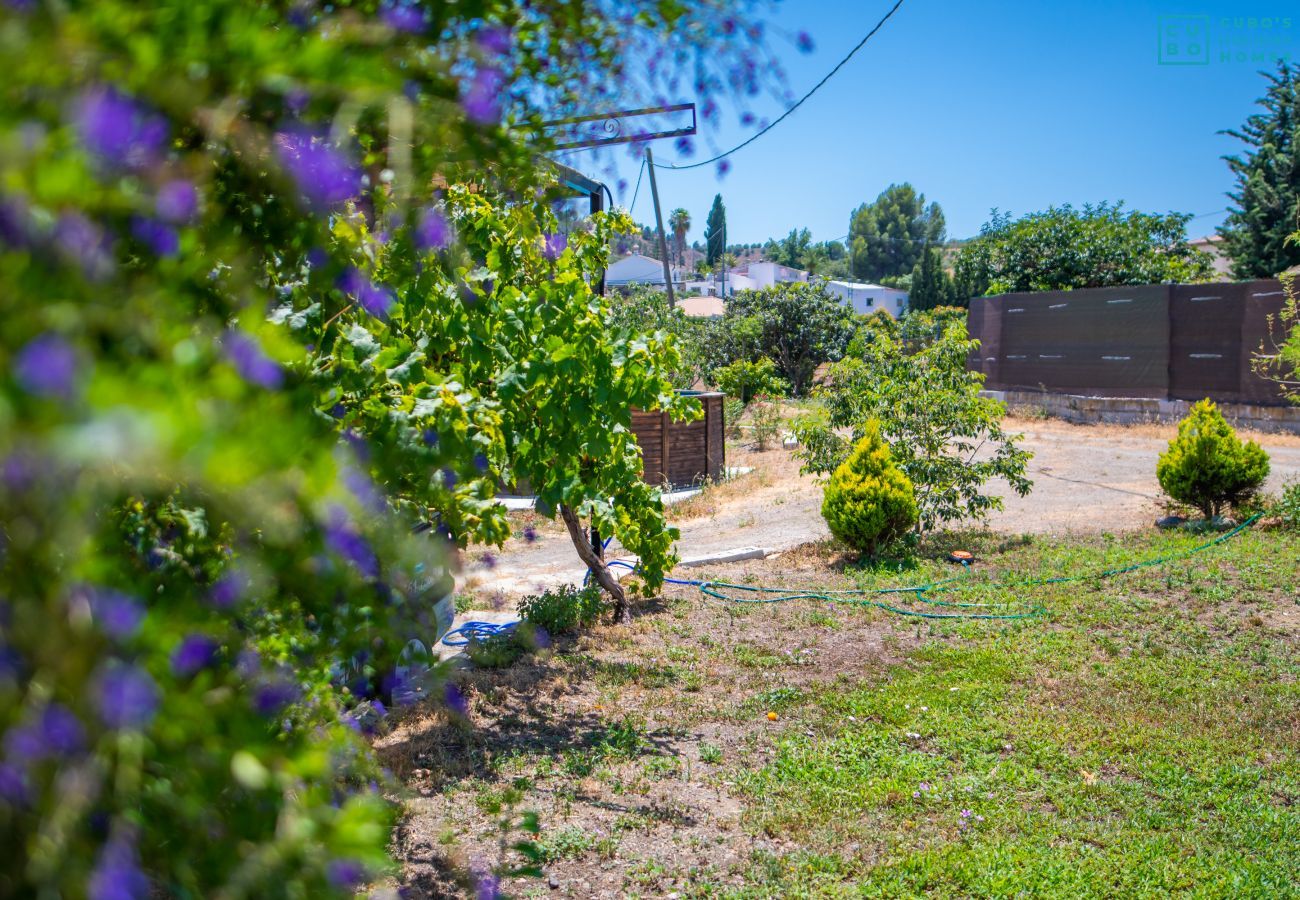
[1087,478]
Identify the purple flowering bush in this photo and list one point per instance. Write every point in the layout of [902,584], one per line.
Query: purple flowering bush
[257,381]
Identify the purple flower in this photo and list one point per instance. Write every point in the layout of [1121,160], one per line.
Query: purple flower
[14,227]
[54,732]
[348,543]
[455,699]
[159,237]
[251,361]
[127,697]
[47,367]
[118,615]
[553,245]
[229,589]
[13,785]
[195,653]
[325,175]
[374,299]
[496,39]
[84,244]
[486,884]
[924,785]
[804,42]
[118,130]
[363,487]
[117,874]
[11,664]
[345,874]
[482,99]
[274,694]
[62,729]
[177,201]
[965,813]
[403,16]
[433,231]
[403,687]
[431,437]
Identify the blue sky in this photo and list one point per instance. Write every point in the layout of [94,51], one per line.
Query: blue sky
[1015,105]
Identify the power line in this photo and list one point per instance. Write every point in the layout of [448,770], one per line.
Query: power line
[639,173]
[862,43]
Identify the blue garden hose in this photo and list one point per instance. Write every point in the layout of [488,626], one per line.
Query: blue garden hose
[479,631]
[476,631]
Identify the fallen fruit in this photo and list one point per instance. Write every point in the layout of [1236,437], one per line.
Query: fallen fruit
[772,716]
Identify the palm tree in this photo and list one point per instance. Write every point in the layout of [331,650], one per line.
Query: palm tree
[679,220]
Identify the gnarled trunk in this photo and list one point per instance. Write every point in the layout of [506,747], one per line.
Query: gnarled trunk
[599,570]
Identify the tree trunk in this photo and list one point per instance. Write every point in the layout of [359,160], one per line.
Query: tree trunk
[597,565]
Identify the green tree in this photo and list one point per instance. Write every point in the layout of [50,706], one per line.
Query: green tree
[679,223]
[869,503]
[931,285]
[745,380]
[945,437]
[792,250]
[797,325]
[1267,195]
[642,311]
[887,236]
[715,232]
[1207,466]
[1066,248]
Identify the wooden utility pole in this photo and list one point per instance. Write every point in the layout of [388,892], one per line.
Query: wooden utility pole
[659,222]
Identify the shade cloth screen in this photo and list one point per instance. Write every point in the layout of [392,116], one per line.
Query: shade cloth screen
[1151,341]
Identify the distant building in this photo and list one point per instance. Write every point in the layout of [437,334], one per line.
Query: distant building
[766,274]
[638,269]
[1213,245]
[706,296]
[866,298]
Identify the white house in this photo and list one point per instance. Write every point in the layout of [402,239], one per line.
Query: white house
[766,274]
[712,285]
[638,269]
[866,298]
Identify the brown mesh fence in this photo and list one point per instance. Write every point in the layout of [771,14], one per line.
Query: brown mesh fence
[1151,341]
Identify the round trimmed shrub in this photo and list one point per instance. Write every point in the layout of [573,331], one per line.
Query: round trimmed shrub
[869,503]
[1207,466]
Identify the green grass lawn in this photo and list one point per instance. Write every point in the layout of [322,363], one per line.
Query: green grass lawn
[1142,741]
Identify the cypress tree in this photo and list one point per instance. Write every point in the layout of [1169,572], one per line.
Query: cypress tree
[1267,197]
[715,232]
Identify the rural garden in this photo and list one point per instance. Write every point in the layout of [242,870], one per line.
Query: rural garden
[289,309]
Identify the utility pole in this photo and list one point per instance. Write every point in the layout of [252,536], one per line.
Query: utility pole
[659,221]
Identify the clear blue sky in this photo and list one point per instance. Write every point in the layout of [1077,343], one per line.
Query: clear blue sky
[1016,105]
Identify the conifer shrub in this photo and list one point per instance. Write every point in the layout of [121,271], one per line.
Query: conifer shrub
[1207,466]
[869,503]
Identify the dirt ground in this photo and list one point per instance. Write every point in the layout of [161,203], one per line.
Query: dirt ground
[1087,479]
[656,816]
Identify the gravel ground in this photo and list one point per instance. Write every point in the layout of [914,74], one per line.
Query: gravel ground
[1087,479]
